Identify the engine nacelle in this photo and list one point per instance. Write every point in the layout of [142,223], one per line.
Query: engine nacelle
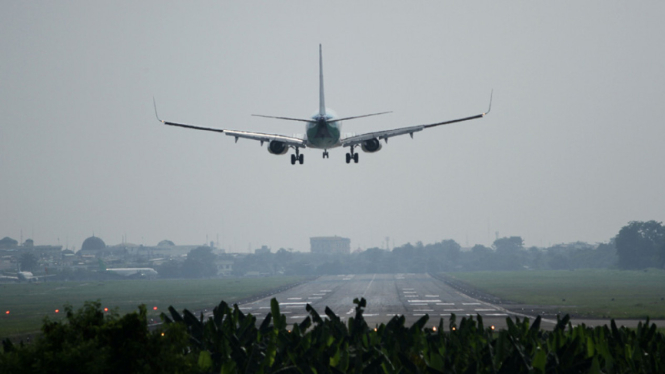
[371,146]
[277,148]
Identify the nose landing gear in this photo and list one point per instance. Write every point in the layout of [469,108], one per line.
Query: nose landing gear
[325,154]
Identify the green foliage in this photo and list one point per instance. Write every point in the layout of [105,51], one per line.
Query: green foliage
[91,341]
[641,245]
[233,342]
[200,263]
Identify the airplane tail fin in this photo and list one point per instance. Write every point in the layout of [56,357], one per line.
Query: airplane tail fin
[322,102]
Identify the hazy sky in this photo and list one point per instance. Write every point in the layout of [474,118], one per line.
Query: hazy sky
[572,150]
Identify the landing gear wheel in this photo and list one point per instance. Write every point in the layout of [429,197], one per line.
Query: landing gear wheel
[293,159]
[301,159]
[325,154]
[348,158]
[355,158]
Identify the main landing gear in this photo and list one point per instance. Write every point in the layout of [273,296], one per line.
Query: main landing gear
[297,157]
[351,156]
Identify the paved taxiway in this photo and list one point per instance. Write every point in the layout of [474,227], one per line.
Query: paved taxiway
[411,295]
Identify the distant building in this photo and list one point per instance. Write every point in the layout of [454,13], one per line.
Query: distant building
[263,250]
[330,245]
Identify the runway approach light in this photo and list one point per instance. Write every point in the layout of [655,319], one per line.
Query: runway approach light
[7,312]
[106,309]
[492,327]
[154,308]
[162,334]
[454,328]
[434,328]
[57,310]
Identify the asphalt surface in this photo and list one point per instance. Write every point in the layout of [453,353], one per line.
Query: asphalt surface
[387,295]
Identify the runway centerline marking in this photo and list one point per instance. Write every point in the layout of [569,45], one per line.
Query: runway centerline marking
[370,283]
[470,303]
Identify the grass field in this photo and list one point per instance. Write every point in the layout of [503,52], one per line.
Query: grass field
[593,293]
[28,304]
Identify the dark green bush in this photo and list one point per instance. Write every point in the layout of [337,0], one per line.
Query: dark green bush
[233,342]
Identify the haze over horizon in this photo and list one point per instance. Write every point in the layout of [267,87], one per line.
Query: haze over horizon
[570,151]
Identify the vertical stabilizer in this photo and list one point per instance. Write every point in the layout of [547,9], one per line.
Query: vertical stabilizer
[322,102]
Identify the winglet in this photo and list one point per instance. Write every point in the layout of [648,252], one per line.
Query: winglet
[155,105]
[322,103]
[490,108]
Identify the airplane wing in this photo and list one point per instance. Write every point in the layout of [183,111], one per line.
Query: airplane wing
[296,142]
[240,134]
[354,140]
[358,139]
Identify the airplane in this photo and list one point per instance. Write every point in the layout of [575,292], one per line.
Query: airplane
[323,131]
[25,276]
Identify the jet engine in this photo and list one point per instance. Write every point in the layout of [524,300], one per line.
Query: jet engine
[371,146]
[277,148]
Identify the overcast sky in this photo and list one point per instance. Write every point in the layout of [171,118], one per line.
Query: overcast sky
[572,149]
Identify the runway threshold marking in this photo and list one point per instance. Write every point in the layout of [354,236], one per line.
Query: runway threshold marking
[424,301]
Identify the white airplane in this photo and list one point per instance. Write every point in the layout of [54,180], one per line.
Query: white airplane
[25,276]
[323,131]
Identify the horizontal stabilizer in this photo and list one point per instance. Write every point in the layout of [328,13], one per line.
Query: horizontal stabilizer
[364,115]
[284,118]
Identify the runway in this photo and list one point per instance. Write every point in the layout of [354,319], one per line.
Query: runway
[387,295]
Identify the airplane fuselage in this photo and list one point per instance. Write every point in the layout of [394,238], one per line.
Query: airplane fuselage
[323,132]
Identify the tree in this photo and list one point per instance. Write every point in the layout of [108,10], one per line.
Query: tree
[169,269]
[28,262]
[200,263]
[509,245]
[92,341]
[641,245]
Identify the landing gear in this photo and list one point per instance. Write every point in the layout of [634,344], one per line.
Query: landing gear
[325,154]
[351,156]
[297,157]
